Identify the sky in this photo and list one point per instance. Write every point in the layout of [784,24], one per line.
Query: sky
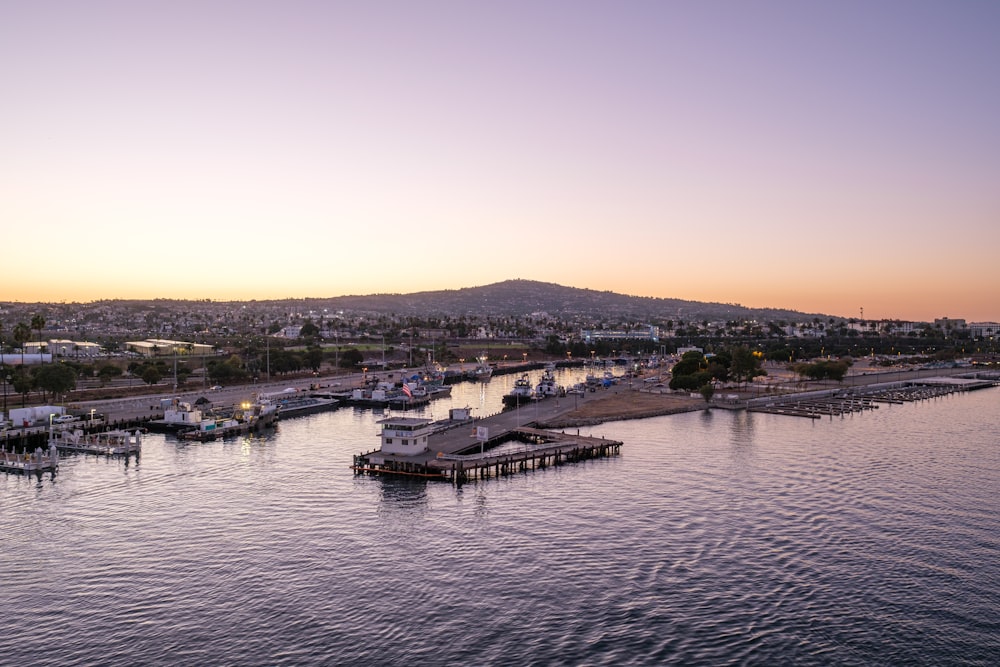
[823,157]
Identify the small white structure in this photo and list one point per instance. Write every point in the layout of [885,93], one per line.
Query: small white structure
[405,435]
[182,413]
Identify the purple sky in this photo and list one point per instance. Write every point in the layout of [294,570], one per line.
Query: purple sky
[818,156]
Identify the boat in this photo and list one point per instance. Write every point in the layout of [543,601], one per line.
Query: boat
[483,371]
[547,385]
[523,392]
[291,403]
[250,416]
[177,416]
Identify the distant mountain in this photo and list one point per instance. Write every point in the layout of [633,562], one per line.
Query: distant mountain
[523,297]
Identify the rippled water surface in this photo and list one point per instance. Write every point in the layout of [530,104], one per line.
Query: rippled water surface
[715,538]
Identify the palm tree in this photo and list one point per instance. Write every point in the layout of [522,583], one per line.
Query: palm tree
[38,323]
[22,334]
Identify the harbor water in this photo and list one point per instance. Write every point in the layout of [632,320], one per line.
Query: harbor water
[715,538]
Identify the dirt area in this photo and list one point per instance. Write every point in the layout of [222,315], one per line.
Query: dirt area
[623,404]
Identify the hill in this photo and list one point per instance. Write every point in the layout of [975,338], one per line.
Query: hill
[518,298]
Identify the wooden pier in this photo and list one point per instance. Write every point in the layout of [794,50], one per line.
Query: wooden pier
[538,449]
[495,446]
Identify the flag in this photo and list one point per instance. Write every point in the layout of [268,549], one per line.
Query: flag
[407,390]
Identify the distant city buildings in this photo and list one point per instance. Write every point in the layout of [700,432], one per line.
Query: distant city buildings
[167,348]
[649,333]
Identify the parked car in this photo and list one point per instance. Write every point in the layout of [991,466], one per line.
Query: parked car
[64,419]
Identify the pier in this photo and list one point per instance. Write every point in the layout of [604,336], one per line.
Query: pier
[501,444]
[537,449]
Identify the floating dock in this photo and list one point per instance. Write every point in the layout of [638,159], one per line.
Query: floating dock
[39,462]
[106,443]
[840,402]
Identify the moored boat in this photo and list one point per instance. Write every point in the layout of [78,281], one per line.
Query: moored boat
[522,392]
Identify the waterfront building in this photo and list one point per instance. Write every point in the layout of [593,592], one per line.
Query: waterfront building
[405,435]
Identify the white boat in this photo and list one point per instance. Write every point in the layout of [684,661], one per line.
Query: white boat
[547,386]
[522,392]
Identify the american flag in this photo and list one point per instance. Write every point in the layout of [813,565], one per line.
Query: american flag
[407,390]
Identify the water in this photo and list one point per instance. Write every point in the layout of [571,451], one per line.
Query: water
[715,538]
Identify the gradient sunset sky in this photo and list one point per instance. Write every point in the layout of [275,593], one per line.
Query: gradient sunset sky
[825,157]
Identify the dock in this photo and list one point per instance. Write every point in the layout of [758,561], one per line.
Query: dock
[498,445]
[536,449]
[106,443]
[841,402]
[38,463]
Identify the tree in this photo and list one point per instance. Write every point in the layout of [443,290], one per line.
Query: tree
[22,383]
[151,374]
[21,336]
[308,329]
[351,358]
[745,365]
[55,378]
[707,391]
[314,357]
[108,372]
[690,363]
[38,323]
[822,370]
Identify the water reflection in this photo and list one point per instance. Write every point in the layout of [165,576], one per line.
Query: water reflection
[400,493]
[742,428]
[741,437]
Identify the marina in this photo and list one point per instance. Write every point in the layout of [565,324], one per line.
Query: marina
[841,402]
[790,521]
[418,447]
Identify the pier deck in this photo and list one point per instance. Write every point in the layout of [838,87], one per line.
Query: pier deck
[26,464]
[457,454]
